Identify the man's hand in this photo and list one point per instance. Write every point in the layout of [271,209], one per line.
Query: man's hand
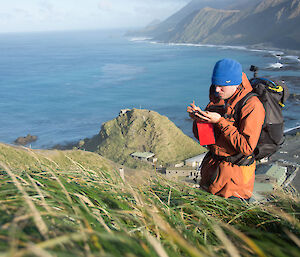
[196,113]
[210,117]
[192,109]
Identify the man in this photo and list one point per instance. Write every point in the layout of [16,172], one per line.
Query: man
[228,169]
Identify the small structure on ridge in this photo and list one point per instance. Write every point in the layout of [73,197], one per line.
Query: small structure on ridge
[144,156]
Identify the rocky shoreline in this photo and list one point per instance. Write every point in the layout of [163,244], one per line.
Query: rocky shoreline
[25,140]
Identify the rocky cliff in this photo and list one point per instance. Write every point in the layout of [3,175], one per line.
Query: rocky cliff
[270,23]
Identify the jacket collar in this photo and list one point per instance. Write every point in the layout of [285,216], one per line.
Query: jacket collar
[243,89]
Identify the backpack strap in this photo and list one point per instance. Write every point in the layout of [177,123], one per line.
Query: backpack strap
[240,104]
[239,159]
[268,82]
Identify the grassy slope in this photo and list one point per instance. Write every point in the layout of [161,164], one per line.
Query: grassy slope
[145,131]
[72,203]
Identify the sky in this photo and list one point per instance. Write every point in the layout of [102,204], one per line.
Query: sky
[49,15]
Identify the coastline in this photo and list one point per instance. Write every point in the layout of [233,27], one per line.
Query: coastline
[252,48]
[287,59]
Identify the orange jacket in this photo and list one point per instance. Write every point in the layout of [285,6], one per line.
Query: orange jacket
[221,177]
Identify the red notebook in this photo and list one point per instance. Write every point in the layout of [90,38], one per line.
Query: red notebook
[206,133]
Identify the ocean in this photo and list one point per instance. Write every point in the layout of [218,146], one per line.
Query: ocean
[61,86]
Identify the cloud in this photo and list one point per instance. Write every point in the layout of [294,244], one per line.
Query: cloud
[136,12]
[20,15]
[5,17]
[46,6]
[105,5]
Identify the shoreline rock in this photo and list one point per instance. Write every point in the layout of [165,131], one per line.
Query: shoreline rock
[25,140]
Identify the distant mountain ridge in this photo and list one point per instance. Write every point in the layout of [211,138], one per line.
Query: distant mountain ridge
[269,23]
[170,23]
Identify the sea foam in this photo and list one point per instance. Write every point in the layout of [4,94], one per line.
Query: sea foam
[276,65]
[139,39]
[292,57]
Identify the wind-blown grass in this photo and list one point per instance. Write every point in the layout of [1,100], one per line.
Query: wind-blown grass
[74,203]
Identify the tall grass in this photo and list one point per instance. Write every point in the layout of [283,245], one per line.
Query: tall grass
[74,204]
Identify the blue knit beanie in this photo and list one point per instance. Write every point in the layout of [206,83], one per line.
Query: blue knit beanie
[227,72]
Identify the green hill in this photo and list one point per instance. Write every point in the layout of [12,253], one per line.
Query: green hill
[73,203]
[142,131]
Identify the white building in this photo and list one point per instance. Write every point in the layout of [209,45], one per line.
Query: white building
[195,161]
[144,156]
[182,172]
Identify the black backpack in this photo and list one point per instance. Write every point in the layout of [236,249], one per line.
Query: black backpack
[273,95]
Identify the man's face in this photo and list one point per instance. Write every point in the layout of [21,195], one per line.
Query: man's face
[225,92]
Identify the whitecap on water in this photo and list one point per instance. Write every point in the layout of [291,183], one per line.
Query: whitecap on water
[292,57]
[137,39]
[208,45]
[275,53]
[276,65]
